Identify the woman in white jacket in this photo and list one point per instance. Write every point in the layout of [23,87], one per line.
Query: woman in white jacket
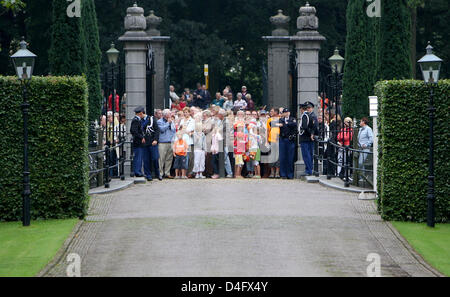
[187,125]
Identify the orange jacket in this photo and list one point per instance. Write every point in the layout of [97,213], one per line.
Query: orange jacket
[274,131]
[180,147]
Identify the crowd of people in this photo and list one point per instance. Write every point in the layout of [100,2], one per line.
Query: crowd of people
[341,134]
[186,141]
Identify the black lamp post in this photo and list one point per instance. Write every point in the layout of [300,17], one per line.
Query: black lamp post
[431,66]
[113,56]
[337,62]
[23,61]
[334,81]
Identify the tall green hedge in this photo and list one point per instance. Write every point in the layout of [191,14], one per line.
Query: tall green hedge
[93,58]
[75,49]
[58,129]
[360,60]
[394,41]
[403,154]
[67,54]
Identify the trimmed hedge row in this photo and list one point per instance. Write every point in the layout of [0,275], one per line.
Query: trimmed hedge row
[403,153]
[58,146]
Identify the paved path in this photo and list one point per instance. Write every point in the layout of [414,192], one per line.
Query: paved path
[235,228]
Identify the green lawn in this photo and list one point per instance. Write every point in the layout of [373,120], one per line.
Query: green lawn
[432,244]
[24,251]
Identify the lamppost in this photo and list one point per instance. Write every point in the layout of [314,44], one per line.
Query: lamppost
[23,61]
[113,56]
[337,62]
[430,66]
[334,81]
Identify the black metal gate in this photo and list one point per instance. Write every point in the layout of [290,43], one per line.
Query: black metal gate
[150,73]
[293,77]
[166,87]
[107,152]
[265,98]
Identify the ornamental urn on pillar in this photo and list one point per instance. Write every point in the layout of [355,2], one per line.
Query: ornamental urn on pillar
[135,23]
[281,22]
[153,22]
[307,21]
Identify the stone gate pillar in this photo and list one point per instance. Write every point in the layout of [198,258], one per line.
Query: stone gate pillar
[157,44]
[135,42]
[278,62]
[307,45]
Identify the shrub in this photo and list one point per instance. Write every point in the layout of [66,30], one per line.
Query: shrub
[394,41]
[360,59]
[403,153]
[93,58]
[58,129]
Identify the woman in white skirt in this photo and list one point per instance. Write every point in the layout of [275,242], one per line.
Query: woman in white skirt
[199,151]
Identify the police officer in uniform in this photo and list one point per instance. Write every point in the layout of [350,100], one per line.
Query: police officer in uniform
[138,140]
[288,133]
[151,152]
[307,131]
[310,110]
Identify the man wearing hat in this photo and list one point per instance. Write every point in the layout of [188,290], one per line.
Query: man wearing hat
[138,140]
[310,110]
[307,132]
[288,132]
[151,152]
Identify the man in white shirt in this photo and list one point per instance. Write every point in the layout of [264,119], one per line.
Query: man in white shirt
[365,141]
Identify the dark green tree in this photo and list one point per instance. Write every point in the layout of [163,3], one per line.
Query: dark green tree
[394,45]
[93,58]
[433,21]
[228,19]
[68,49]
[360,60]
[191,47]
[38,23]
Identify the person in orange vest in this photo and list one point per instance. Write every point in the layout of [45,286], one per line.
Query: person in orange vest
[180,148]
[273,134]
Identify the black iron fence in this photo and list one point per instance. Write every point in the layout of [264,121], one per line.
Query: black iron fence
[351,163]
[107,161]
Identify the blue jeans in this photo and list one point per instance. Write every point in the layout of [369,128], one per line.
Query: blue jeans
[137,160]
[287,153]
[307,154]
[215,161]
[250,165]
[228,169]
[112,162]
[151,157]
[362,158]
